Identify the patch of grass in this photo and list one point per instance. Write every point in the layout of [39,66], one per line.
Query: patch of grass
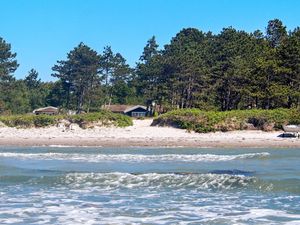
[25,121]
[105,118]
[210,121]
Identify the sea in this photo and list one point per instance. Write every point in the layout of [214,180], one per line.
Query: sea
[86,185]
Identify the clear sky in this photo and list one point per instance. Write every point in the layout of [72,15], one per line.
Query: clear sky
[44,31]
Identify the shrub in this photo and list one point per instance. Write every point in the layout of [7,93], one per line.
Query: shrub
[25,121]
[104,118]
[208,121]
[44,120]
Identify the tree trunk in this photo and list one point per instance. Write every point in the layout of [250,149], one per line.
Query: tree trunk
[189,93]
[68,97]
[228,99]
[256,102]
[89,105]
[80,101]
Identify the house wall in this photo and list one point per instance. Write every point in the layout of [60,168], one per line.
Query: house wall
[137,110]
[46,112]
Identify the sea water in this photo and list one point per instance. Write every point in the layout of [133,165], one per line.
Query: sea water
[51,185]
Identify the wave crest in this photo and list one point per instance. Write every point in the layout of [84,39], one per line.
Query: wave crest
[134,157]
[155,180]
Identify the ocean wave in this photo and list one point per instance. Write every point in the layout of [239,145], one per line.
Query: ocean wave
[156,180]
[149,198]
[81,157]
[78,207]
[118,180]
[184,180]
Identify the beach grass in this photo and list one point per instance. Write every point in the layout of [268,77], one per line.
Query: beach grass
[211,121]
[105,118]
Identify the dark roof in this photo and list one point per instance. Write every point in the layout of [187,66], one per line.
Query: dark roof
[123,108]
[135,107]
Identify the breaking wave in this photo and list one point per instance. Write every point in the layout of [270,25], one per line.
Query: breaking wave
[195,181]
[119,181]
[134,157]
[156,180]
[151,198]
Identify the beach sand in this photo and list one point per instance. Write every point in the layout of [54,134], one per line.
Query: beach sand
[140,134]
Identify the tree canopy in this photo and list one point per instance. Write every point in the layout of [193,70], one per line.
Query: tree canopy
[233,69]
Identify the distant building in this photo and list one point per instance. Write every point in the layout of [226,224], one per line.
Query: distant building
[129,110]
[50,110]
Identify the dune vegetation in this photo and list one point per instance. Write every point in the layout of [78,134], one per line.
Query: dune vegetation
[210,121]
[103,118]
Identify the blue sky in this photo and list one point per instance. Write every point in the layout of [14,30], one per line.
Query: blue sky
[44,31]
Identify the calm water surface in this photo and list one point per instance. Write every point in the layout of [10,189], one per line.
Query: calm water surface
[149,186]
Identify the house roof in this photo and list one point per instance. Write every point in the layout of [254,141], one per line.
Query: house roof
[123,108]
[46,109]
[116,108]
[135,107]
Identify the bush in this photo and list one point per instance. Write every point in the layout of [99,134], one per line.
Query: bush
[25,121]
[44,120]
[103,118]
[208,121]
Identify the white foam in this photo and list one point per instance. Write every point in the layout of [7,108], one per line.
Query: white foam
[69,206]
[133,157]
[155,180]
[70,146]
[295,222]
[123,198]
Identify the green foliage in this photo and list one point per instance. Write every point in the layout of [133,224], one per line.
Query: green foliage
[104,118]
[45,120]
[31,80]
[8,64]
[232,70]
[16,97]
[79,74]
[36,90]
[25,121]
[117,74]
[208,121]
[228,71]
[276,32]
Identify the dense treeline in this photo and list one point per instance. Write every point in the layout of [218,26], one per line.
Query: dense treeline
[230,70]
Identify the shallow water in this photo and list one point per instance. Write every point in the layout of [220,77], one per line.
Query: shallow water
[149,186]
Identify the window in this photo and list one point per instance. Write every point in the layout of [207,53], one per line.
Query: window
[138,114]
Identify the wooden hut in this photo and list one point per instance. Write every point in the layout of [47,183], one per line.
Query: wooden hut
[129,110]
[50,110]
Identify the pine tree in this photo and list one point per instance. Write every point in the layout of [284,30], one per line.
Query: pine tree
[8,64]
[80,73]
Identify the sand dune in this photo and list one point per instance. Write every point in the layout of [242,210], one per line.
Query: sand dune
[140,134]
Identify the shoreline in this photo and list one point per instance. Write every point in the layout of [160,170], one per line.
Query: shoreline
[142,143]
[141,134]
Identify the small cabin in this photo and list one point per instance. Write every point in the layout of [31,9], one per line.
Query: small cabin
[129,110]
[50,110]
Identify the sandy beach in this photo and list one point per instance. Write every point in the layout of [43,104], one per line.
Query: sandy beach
[140,134]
